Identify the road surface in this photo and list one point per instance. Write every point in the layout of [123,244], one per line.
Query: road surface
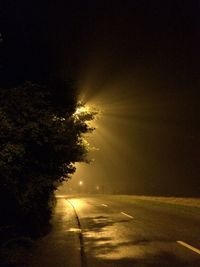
[120,231]
[117,231]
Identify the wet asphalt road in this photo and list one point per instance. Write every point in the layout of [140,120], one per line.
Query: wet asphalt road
[117,231]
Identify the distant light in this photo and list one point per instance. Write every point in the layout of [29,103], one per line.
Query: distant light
[97,187]
[80,183]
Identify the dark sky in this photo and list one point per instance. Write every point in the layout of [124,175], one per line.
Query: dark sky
[138,61]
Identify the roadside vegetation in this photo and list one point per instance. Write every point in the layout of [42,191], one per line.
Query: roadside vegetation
[41,138]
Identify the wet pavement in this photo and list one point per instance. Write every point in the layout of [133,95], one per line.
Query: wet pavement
[109,231]
[121,233]
[61,247]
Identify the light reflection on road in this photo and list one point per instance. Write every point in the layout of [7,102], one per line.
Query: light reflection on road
[110,237]
[74,230]
[78,204]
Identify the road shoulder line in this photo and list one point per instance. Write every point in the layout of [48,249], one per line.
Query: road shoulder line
[189,247]
[104,205]
[125,214]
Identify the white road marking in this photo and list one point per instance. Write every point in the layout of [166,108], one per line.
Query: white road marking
[127,215]
[104,205]
[189,246]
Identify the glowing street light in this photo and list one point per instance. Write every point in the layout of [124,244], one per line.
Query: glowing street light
[80,183]
[82,109]
[97,187]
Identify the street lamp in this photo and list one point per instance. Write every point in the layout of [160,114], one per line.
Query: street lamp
[97,187]
[80,183]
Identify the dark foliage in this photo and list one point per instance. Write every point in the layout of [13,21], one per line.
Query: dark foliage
[40,140]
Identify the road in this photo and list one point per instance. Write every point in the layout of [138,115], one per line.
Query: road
[118,231]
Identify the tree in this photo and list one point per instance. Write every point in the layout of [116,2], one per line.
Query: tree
[41,137]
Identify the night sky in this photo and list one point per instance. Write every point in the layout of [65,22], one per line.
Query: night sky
[138,63]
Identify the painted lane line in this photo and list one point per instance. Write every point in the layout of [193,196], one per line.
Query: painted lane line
[127,215]
[189,246]
[104,205]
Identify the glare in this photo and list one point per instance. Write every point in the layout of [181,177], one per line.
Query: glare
[86,113]
[77,203]
[109,141]
[80,183]
[80,110]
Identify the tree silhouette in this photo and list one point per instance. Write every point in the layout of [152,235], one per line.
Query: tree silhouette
[41,137]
